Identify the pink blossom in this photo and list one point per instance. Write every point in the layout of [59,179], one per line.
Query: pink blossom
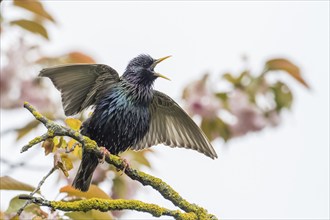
[200,99]
[248,116]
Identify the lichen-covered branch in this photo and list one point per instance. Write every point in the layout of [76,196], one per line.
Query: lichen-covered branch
[89,145]
[105,205]
[35,141]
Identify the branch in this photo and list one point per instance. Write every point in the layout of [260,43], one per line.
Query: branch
[105,205]
[36,190]
[89,145]
[12,165]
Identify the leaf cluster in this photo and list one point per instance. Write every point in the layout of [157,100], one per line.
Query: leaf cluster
[249,103]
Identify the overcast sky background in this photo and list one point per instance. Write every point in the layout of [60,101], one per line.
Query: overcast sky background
[281,172]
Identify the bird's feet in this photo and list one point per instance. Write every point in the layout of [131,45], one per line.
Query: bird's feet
[104,152]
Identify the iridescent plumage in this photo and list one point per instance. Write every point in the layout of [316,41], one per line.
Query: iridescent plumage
[129,113]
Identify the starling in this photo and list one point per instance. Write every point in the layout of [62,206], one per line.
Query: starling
[128,112]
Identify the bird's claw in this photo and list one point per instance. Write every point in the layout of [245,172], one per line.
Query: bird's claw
[104,152]
[126,165]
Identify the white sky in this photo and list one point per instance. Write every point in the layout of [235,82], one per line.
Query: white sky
[279,173]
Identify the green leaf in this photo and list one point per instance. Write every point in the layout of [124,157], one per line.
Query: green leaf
[230,78]
[66,161]
[254,87]
[8,183]
[282,95]
[138,158]
[32,26]
[215,127]
[119,187]
[287,66]
[21,132]
[16,203]
[243,80]
[59,143]
[93,192]
[222,96]
[141,159]
[92,214]
[34,6]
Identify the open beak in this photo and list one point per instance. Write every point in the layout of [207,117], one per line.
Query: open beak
[157,62]
[162,76]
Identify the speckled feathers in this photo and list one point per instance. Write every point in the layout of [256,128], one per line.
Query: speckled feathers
[128,114]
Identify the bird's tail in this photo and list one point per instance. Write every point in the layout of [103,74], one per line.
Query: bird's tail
[85,172]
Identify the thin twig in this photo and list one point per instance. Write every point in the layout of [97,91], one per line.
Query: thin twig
[36,190]
[67,150]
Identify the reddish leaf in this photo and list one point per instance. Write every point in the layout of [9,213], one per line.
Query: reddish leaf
[61,166]
[78,57]
[48,145]
[72,57]
[2,215]
[287,66]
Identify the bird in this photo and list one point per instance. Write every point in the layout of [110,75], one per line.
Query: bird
[128,112]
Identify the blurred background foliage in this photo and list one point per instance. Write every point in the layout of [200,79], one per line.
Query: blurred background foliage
[248,102]
[231,107]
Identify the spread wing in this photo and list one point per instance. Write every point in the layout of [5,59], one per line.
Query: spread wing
[170,125]
[80,84]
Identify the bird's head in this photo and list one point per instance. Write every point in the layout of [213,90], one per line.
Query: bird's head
[141,70]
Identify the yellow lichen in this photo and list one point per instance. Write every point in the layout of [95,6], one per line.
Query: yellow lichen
[192,211]
[37,114]
[35,140]
[118,204]
[50,133]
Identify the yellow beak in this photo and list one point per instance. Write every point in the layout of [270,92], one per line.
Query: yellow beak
[162,76]
[160,60]
[157,62]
